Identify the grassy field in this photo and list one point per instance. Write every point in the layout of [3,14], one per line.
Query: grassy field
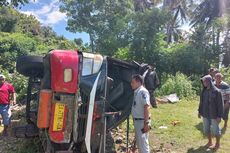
[184,137]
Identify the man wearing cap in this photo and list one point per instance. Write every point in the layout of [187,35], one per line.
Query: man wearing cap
[224,89]
[6,92]
[211,111]
[140,113]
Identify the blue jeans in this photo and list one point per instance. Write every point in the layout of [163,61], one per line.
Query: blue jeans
[5,113]
[211,126]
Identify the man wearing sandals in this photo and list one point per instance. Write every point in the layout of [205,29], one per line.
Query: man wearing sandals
[6,92]
[223,87]
[211,110]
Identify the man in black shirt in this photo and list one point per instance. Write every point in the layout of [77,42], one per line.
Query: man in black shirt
[151,82]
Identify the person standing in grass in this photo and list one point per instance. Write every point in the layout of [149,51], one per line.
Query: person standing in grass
[211,110]
[223,86]
[151,82]
[6,92]
[140,113]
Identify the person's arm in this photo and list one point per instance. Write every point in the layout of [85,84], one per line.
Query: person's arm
[200,106]
[220,105]
[157,81]
[146,119]
[146,113]
[146,105]
[14,95]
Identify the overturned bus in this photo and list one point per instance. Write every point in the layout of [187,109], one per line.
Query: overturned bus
[74,98]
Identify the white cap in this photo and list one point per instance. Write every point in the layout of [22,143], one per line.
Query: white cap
[2,76]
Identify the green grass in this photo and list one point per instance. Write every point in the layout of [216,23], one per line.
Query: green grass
[185,137]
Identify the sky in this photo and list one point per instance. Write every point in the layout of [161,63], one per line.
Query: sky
[47,12]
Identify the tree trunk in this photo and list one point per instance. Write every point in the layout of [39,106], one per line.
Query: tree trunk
[213,37]
[92,42]
[218,38]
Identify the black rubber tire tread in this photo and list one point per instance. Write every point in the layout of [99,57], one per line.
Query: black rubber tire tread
[30,66]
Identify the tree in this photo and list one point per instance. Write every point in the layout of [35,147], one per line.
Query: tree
[78,41]
[207,11]
[180,10]
[142,5]
[14,3]
[8,19]
[210,13]
[104,21]
[226,43]
[147,38]
[12,46]
[47,32]
[28,24]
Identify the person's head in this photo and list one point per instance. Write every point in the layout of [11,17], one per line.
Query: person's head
[2,78]
[213,71]
[137,81]
[207,81]
[218,78]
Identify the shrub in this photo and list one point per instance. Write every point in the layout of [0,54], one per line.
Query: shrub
[226,74]
[179,84]
[196,83]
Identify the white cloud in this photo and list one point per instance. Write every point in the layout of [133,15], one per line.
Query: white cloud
[45,9]
[48,14]
[34,1]
[55,17]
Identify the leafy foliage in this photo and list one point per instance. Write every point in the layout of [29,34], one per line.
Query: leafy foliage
[8,20]
[127,29]
[105,21]
[123,53]
[147,40]
[180,10]
[226,74]
[207,11]
[14,45]
[178,84]
[14,3]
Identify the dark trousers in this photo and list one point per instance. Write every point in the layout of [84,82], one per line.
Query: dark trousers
[152,98]
[226,111]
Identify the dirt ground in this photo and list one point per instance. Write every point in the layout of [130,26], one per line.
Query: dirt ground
[10,143]
[120,142]
[116,139]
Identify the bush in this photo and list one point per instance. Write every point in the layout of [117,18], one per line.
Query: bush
[196,83]
[226,73]
[179,84]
